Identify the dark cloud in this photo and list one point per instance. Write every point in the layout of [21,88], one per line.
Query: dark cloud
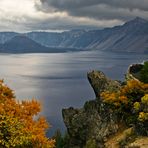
[72,4]
[108,13]
[68,14]
[66,23]
[99,9]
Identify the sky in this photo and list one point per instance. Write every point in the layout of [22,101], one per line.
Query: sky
[58,15]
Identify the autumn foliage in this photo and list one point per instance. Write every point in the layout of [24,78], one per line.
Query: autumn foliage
[19,125]
[130,103]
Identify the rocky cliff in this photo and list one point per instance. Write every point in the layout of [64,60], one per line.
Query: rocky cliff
[96,121]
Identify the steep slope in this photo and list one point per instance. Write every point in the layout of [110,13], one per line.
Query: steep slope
[5,36]
[130,37]
[45,38]
[50,39]
[23,44]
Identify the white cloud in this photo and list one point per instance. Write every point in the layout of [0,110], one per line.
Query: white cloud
[20,15]
[17,8]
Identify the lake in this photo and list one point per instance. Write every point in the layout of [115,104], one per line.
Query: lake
[59,80]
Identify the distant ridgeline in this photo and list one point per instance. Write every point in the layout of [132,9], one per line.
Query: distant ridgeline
[129,37]
[118,117]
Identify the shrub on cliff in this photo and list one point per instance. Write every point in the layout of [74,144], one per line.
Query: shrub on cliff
[59,139]
[144,73]
[131,104]
[18,128]
[91,143]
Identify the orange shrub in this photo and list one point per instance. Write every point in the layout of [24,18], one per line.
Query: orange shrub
[130,103]
[18,128]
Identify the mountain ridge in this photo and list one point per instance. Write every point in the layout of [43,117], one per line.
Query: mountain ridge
[132,36]
[23,44]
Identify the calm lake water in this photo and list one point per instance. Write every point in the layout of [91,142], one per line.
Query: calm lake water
[60,80]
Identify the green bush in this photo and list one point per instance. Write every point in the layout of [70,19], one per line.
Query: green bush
[144,73]
[91,144]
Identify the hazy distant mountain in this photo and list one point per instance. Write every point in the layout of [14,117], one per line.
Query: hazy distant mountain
[129,37]
[23,44]
[65,39]
[5,36]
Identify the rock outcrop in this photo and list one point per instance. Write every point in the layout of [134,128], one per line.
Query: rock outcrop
[95,120]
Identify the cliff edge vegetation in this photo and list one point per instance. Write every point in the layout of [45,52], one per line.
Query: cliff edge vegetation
[117,118]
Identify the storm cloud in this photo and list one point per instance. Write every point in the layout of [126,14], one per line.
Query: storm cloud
[28,15]
[99,9]
[74,4]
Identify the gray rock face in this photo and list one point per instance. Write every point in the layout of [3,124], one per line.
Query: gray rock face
[95,120]
[100,82]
